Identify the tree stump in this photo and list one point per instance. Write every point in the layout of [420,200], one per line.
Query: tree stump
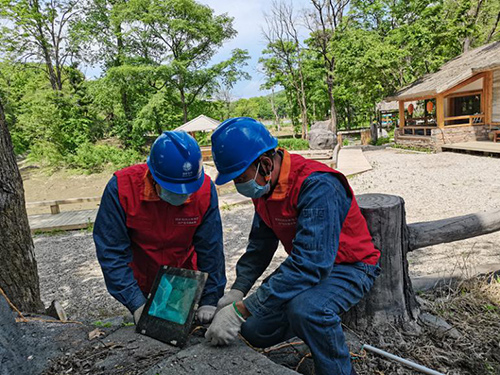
[392,299]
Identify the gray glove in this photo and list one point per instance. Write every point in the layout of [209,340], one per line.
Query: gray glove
[234,295]
[225,327]
[205,313]
[138,313]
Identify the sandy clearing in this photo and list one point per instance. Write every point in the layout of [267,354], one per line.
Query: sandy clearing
[434,186]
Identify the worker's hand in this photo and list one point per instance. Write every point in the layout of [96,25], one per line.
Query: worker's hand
[234,295]
[205,313]
[225,327]
[138,313]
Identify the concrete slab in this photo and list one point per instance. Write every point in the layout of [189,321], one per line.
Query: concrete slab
[236,359]
[351,161]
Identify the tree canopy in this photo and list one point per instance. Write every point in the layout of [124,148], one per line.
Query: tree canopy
[332,60]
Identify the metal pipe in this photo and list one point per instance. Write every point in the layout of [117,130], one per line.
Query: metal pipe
[406,362]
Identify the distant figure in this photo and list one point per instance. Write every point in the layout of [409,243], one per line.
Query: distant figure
[332,261]
[164,212]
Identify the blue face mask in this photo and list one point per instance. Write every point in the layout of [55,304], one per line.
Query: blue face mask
[173,198]
[252,189]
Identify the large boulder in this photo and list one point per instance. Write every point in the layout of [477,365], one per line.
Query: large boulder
[320,138]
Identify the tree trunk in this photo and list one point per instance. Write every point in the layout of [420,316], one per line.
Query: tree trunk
[333,111]
[391,299]
[18,268]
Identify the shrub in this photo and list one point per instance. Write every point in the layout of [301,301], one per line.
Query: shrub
[93,158]
[293,143]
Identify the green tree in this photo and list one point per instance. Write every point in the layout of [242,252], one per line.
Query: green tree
[37,32]
[185,35]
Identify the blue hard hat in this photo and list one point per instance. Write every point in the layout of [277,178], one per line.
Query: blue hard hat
[175,162]
[236,144]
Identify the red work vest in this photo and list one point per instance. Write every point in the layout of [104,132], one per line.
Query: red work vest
[160,233]
[279,212]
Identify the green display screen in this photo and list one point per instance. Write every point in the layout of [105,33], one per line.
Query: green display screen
[173,298]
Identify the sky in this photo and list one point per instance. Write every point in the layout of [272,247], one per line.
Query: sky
[249,22]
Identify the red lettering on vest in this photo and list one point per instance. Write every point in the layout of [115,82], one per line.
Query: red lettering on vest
[160,233]
[279,212]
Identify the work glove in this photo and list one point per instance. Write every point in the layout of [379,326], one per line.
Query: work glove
[234,295]
[225,326]
[138,313]
[205,314]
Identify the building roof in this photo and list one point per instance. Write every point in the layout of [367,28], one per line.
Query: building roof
[452,73]
[386,106]
[201,123]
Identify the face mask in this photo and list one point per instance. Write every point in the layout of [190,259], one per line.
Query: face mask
[173,198]
[252,189]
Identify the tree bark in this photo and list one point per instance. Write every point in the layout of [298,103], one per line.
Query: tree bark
[391,300]
[18,267]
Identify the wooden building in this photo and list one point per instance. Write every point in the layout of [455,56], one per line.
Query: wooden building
[458,103]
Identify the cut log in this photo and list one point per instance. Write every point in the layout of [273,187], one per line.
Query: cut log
[453,229]
[391,299]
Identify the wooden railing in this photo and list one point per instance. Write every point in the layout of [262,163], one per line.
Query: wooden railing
[470,120]
[54,205]
[415,130]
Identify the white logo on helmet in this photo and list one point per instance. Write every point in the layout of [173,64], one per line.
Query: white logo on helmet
[188,168]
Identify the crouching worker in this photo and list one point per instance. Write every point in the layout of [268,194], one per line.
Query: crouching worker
[164,212]
[332,261]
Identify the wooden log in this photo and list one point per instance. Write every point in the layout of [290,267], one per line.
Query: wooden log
[452,229]
[391,299]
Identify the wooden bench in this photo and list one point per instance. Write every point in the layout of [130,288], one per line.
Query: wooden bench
[54,205]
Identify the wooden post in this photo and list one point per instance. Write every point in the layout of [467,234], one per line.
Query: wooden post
[440,111]
[487,98]
[54,209]
[401,113]
[391,299]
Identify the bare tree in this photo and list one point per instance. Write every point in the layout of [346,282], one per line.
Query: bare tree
[323,22]
[283,42]
[18,268]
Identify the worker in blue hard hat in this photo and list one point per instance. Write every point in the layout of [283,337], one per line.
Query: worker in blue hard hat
[332,261]
[164,212]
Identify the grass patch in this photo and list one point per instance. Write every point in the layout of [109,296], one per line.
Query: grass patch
[101,324]
[293,143]
[413,148]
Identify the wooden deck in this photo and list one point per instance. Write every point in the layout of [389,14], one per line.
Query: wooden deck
[68,220]
[481,147]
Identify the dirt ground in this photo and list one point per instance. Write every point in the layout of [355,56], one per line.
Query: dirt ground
[434,186]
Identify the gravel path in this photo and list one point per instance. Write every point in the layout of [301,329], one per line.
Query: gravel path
[434,186]
[439,186]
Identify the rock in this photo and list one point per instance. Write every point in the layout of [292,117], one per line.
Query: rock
[55,310]
[321,125]
[235,359]
[440,325]
[320,138]
[382,133]
[12,345]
